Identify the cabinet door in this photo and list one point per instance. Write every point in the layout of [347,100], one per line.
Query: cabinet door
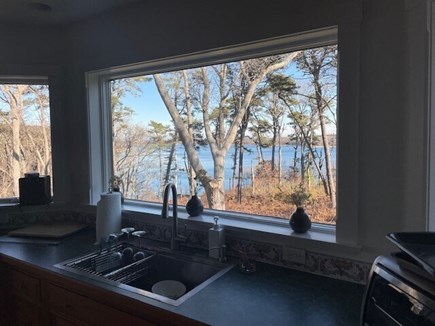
[75,307]
[3,294]
[25,313]
[26,287]
[20,298]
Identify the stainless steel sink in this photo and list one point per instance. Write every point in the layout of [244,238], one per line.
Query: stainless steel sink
[139,275]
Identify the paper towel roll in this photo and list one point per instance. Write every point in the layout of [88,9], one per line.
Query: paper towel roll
[108,214]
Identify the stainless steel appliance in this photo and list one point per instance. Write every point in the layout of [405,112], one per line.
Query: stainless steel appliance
[401,288]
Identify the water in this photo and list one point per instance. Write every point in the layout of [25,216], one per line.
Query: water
[249,162]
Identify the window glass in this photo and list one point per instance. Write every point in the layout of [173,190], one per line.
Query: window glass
[25,134]
[254,136]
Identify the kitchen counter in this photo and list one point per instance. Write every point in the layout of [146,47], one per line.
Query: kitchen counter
[271,296]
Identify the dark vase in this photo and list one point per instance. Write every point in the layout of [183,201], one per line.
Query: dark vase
[300,221]
[194,206]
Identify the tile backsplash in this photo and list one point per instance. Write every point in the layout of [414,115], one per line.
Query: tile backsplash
[316,263]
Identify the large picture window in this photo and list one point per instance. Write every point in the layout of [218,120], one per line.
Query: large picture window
[245,136]
[248,129]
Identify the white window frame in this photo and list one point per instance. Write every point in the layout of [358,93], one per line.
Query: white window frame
[100,149]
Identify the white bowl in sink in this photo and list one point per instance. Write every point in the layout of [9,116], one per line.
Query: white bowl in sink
[169,288]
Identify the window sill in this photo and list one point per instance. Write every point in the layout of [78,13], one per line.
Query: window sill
[239,222]
[319,240]
[7,202]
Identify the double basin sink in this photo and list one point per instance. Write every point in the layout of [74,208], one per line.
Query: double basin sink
[137,270]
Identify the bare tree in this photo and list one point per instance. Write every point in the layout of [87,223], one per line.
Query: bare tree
[190,128]
[222,136]
[275,111]
[13,97]
[41,142]
[320,65]
[25,131]
[132,143]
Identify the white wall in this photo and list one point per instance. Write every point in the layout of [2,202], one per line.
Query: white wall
[386,87]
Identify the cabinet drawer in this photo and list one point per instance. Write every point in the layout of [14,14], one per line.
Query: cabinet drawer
[26,287]
[76,307]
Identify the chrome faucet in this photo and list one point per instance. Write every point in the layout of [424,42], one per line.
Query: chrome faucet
[175,237]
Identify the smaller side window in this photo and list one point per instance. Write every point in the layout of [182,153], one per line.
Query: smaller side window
[25,139]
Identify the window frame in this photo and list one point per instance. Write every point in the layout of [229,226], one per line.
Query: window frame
[100,148]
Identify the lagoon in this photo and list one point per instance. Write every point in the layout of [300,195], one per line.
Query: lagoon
[250,161]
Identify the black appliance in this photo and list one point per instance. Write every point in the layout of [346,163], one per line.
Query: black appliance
[34,189]
[401,287]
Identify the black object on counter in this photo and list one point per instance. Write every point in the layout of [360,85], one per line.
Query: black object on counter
[35,189]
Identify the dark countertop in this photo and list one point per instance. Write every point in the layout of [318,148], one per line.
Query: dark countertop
[271,296]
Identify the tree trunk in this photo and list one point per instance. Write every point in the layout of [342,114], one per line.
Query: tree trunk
[324,134]
[308,143]
[240,176]
[214,187]
[316,63]
[279,159]
[235,160]
[13,95]
[188,103]
[274,139]
[16,143]
[170,160]
[242,132]
[252,179]
[329,175]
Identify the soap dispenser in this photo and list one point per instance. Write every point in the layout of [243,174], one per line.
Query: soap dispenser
[216,240]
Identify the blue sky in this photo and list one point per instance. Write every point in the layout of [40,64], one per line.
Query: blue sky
[149,105]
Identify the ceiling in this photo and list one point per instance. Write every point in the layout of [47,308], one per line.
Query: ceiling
[55,12]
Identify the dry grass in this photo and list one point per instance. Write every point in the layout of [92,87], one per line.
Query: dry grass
[268,202]
[271,200]
[269,197]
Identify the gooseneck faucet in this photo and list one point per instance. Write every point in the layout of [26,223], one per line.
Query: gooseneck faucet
[175,237]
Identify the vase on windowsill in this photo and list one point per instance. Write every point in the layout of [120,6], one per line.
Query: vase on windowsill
[194,206]
[300,221]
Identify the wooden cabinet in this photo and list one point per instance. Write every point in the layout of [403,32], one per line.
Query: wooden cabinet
[25,313]
[3,289]
[22,302]
[26,287]
[73,306]
[31,296]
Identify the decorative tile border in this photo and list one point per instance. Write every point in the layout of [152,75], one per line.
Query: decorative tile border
[316,263]
[344,269]
[18,219]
